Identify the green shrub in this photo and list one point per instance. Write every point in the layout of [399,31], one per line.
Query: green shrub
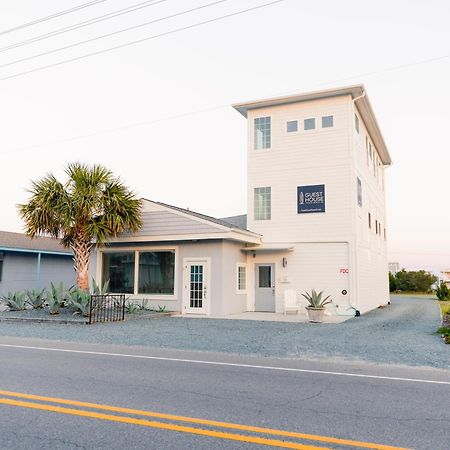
[100,290]
[36,298]
[55,297]
[413,281]
[131,308]
[443,292]
[15,301]
[79,300]
[444,331]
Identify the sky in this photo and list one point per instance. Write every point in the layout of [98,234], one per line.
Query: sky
[157,113]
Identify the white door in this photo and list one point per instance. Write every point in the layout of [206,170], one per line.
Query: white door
[265,287]
[196,289]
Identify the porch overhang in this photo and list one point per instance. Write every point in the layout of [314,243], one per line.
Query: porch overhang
[269,248]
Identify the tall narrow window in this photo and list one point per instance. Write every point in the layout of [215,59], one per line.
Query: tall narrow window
[241,278]
[370,221]
[310,124]
[327,121]
[262,203]
[291,126]
[356,123]
[359,191]
[262,133]
[2,255]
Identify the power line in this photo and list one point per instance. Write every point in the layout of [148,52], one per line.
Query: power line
[83,24]
[138,41]
[213,108]
[52,16]
[76,44]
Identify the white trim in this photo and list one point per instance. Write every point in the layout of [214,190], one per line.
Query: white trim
[184,296]
[233,235]
[136,294]
[241,291]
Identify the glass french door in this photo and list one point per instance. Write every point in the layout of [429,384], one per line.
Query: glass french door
[196,290]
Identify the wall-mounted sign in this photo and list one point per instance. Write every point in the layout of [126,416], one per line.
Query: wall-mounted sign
[311,199]
[343,270]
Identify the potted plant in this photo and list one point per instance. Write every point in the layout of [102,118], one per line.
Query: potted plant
[316,306]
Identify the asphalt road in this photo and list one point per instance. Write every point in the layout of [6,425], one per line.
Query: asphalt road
[396,406]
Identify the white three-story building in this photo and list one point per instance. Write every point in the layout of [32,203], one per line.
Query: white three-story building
[316,219]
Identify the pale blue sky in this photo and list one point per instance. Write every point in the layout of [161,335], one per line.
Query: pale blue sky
[198,160]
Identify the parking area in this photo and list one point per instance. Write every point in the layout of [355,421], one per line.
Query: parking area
[403,333]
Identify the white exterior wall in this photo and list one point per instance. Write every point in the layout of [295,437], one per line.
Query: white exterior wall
[370,250]
[222,256]
[324,243]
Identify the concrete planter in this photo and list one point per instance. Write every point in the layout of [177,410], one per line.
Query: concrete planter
[315,315]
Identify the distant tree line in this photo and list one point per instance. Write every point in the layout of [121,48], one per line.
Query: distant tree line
[411,281]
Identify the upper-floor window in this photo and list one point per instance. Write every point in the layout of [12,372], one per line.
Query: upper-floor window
[359,190]
[291,126]
[262,203]
[356,123]
[310,124]
[327,121]
[370,221]
[262,133]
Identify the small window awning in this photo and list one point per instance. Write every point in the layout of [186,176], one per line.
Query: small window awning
[269,248]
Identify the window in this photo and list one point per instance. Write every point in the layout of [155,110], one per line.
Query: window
[2,256]
[327,121]
[310,124]
[370,221]
[385,234]
[264,276]
[157,272]
[291,126]
[118,268]
[376,226]
[262,133]
[262,203]
[356,123]
[359,190]
[241,278]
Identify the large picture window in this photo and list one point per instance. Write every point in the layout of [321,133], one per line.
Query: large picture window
[118,268]
[156,272]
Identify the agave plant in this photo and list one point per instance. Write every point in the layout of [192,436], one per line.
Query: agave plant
[315,299]
[15,301]
[131,308]
[36,298]
[99,289]
[58,293]
[79,300]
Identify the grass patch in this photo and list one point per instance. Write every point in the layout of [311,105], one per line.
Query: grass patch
[444,330]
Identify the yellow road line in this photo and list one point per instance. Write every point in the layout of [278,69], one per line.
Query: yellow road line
[213,423]
[161,425]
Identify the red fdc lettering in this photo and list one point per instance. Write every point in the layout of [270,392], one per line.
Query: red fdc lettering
[343,271]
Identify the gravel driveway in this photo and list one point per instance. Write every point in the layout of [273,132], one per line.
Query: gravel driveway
[403,333]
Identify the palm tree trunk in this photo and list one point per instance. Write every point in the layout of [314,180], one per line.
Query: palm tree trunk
[81,254]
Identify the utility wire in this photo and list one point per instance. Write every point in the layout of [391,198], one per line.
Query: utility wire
[217,107]
[138,41]
[52,16]
[86,41]
[83,24]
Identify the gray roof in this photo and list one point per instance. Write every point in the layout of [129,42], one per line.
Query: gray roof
[237,221]
[229,224]
[19,241]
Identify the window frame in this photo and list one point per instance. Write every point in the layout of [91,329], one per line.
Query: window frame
[238,288]
[255,141]
[266,213]
[136,251]
[304,124]
[287,126]
[327,117]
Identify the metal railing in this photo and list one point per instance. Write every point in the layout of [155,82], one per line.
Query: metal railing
[107,308]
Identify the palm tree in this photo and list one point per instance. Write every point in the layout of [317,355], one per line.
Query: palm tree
[90,207]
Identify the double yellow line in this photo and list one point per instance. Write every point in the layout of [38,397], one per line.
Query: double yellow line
[180,428]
